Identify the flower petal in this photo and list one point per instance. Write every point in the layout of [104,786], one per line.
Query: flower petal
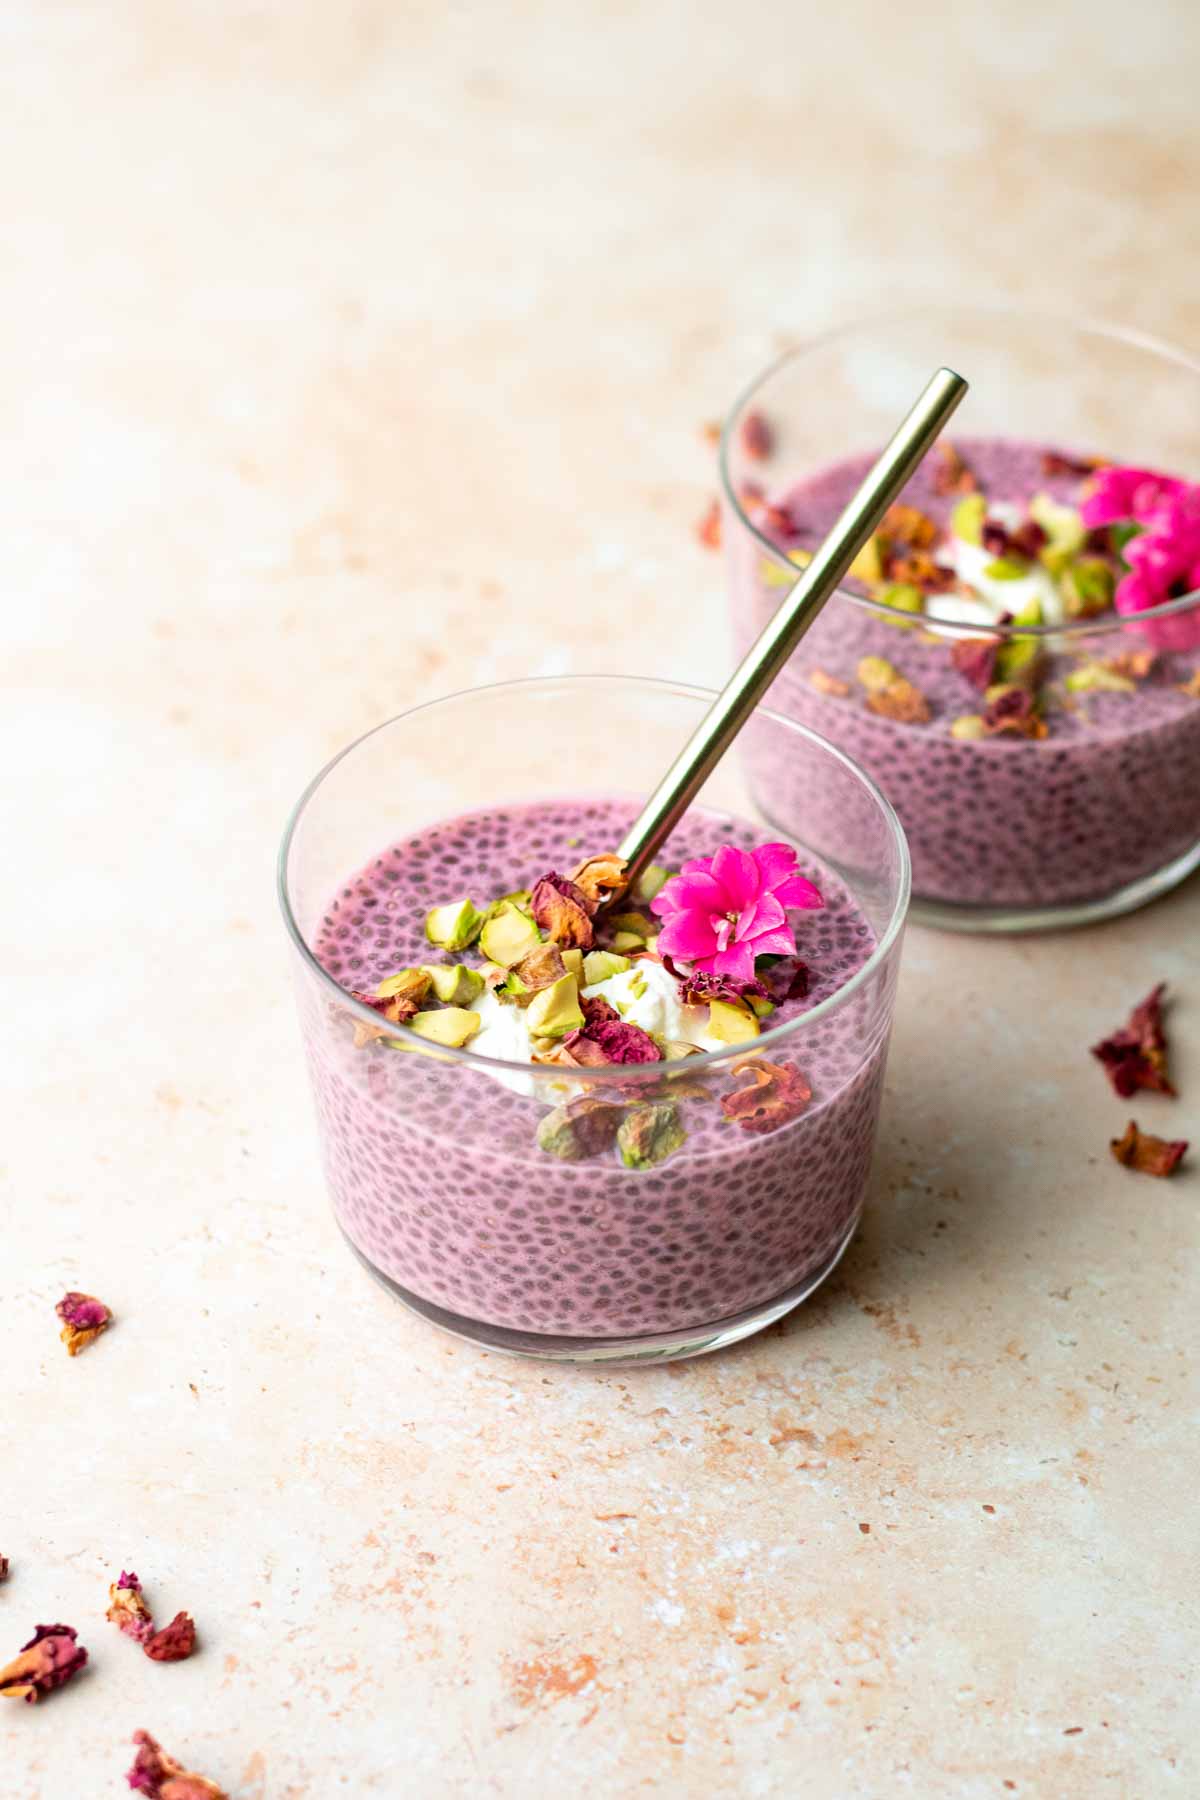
[737,873]
[688,935]
[766,914]
[799,891]
[737,960]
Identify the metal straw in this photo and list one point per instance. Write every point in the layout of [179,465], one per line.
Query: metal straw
[796,612]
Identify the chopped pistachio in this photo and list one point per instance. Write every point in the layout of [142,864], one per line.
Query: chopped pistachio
[868,564]
[775,577]
[581,1129]
[512,988]
[509,935]
[1095,678]
[1065,531]
[904,597]
[966,520]
[1019,660]
[405,984]
[454,983]
[1087,585]
[637,987]
[649,882]
[628,940]
[760,1006]
[602,965]
[649,1134]
[449,1025]
[731,1024]
[633,921]
[876,673]
[1006,568]
[969,726]
[676,1049]
[556,1010]
[520,897]
[453,926]
[572,962]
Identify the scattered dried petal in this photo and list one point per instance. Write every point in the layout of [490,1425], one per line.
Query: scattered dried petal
[540,969]
[774,1095]
[175,1642]
[1022,544]
[709,528]
[580,1129]
[84,1318]
[910,526]
[1191,686]
[561,909]
[598,878]
[756,437]
[701,989]
[828,684]
[162,1778]
[1136,1056]
[951,474]
[975,659]
[1012,711]
[711,430]
[49,1659]
[127,1608]
[1055,463]
[902,701]
[598,1011]
[1147,1154]
[622,1042]
[1134,665]
[3,1568]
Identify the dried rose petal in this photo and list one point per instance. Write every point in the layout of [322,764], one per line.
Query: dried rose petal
[772,1097]
[1136,1056]
[622,1042]
[1147,1154]
[127,1608]
[709,528]
[975,658]
[951,474]
[909,525]
[917,568]
[162,1778]
[540,969]
[756,437]
[828,684]
[777,520]
[576,1051]
[3,1568]
[1025,542]
[561,909]
[598,1011]
[598,878]
[49,1659]
[1191,687]
[902,701]
[84,1318]
[701,989]
[1013,712]
[1055,463]
[175,1642]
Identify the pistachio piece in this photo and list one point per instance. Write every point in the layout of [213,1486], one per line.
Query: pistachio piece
[520,898]
[904,597]
[775,577]
[969,727]
[633,921]
[453,926]
[876,673]
[508,936]
[580,1129]
[449,1025]
[868,564]
[649,1134]
[407,985]
[1088,584]
[1065,532]
[760,1006]
[572,962]
[731,1024]
[540,969]
[652,879]
[555,1011]
[453,983]
[628,940]
[637,987]
[602,965]
[1006,568]
[1094,678]
[966,520]
[676,1049]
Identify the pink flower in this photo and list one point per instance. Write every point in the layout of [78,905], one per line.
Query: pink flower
[1118,494]
[722,912]
[1164,564]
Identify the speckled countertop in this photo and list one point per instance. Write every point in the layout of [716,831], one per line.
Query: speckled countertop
[353,354]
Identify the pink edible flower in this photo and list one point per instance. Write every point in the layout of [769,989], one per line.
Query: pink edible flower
[720,913]
[1120,494]
[1164,564]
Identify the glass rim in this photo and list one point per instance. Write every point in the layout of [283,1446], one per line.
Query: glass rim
[1130,336]
[554,1074]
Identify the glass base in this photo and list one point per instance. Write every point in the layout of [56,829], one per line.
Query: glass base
[658,1347]
[944,916]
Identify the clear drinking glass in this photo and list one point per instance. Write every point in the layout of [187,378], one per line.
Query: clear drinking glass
[432,1158]
[1006,834]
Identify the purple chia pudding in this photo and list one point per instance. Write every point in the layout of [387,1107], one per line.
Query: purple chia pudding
[1101,790]
[437,1174]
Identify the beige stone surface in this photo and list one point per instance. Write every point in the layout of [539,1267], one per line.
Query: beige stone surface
[355,353]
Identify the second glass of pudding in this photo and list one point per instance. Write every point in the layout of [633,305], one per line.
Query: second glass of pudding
[636,1210]
[1040,745]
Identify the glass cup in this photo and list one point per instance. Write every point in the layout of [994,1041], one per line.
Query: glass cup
[1006,833]
[432,1158]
